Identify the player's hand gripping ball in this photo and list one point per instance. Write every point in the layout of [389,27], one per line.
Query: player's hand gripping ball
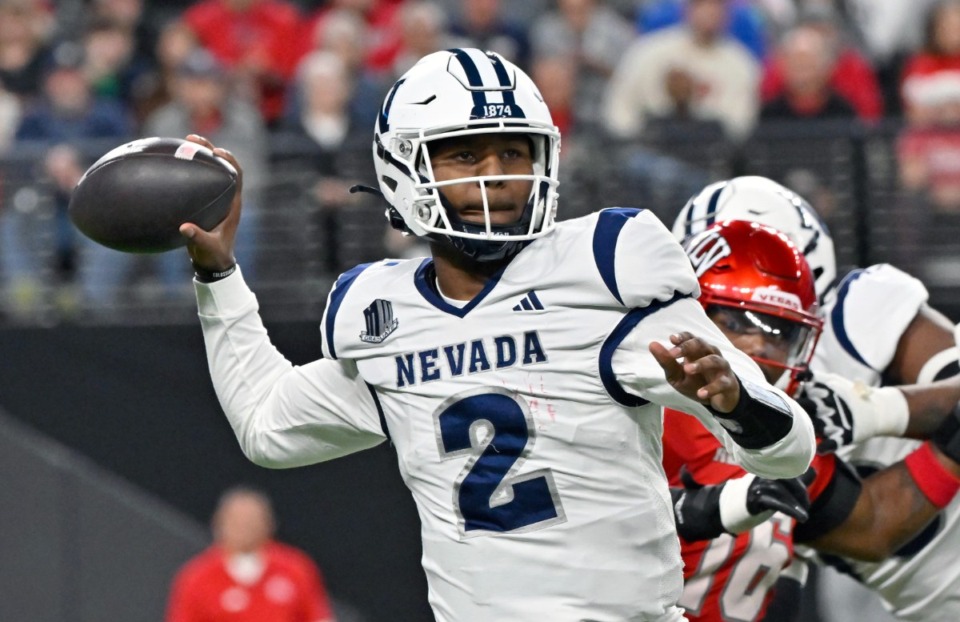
[135,198]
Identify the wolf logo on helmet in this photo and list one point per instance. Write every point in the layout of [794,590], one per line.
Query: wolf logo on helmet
[762,200]
[455,93]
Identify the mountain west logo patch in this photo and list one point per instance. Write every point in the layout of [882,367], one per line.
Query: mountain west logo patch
[380,321]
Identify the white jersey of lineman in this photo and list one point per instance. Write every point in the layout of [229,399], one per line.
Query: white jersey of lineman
[865,316]
[536,474]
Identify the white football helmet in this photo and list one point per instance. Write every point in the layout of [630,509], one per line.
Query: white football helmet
[763,200]
[463,92]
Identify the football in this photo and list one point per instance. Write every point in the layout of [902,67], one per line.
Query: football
[135,197]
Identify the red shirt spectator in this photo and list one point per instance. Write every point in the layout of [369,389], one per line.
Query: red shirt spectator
[246,576]
[383,26]
[253,39]
[289,589]
[931,78]
[852,76]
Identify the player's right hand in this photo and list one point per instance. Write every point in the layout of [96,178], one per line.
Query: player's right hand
[213,250]
[703,375]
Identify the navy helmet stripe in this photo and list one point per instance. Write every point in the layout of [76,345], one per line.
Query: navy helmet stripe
[712,206]
[504,78]
[382,121]
[473,76]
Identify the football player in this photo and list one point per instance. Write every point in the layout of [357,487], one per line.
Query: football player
[878,330]
[757,286]
[519,371]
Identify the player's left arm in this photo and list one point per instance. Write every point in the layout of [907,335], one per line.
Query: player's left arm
[675,356]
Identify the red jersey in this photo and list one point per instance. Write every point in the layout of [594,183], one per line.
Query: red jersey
[290,589]
[728,579]
[262,36]
[852,78]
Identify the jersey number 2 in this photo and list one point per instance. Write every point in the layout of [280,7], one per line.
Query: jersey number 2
[494,427]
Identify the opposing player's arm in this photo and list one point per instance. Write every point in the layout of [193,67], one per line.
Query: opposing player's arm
[926,350]
[283,416]
[891,506]
[846,412]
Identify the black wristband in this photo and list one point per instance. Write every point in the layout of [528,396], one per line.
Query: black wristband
[760,419]
[209,276]
[947,436]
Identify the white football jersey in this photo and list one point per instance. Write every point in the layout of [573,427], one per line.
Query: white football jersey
[864,318]
[527,422]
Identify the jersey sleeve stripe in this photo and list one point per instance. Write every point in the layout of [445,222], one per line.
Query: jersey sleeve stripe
[383,418]
[337,295]
[609,225]
[836,318]
[613,341]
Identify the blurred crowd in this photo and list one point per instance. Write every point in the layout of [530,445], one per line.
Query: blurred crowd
[77,78]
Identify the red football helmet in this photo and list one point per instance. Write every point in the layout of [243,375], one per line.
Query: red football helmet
[753,280]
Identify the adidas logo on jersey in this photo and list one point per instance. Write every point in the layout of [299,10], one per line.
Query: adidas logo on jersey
[530,302]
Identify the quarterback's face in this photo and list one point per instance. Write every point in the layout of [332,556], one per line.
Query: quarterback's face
[483,155]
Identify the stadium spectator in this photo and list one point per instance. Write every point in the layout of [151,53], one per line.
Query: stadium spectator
[256,41]
[334,149]
[346,34]
[929,148]
[141,19]
[154,89]
[382,20]
[10,111]
[852,77]
[931,78]
[807,60]
[890,31]
[594,37]
[204,104]
[746,23]
[113,65]
[246,575]
[483,24]
[691,71]
[68,128]
[423,29]
[25,29]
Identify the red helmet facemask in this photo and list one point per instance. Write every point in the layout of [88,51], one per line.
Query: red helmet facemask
[754,281]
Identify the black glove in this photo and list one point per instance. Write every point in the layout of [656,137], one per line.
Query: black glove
[781,495]
[830,414]
[735,506]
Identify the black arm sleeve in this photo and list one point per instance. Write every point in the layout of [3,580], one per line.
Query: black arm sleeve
[833,506]
[760,419]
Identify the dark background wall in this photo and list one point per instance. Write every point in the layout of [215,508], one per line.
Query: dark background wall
[139,402]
